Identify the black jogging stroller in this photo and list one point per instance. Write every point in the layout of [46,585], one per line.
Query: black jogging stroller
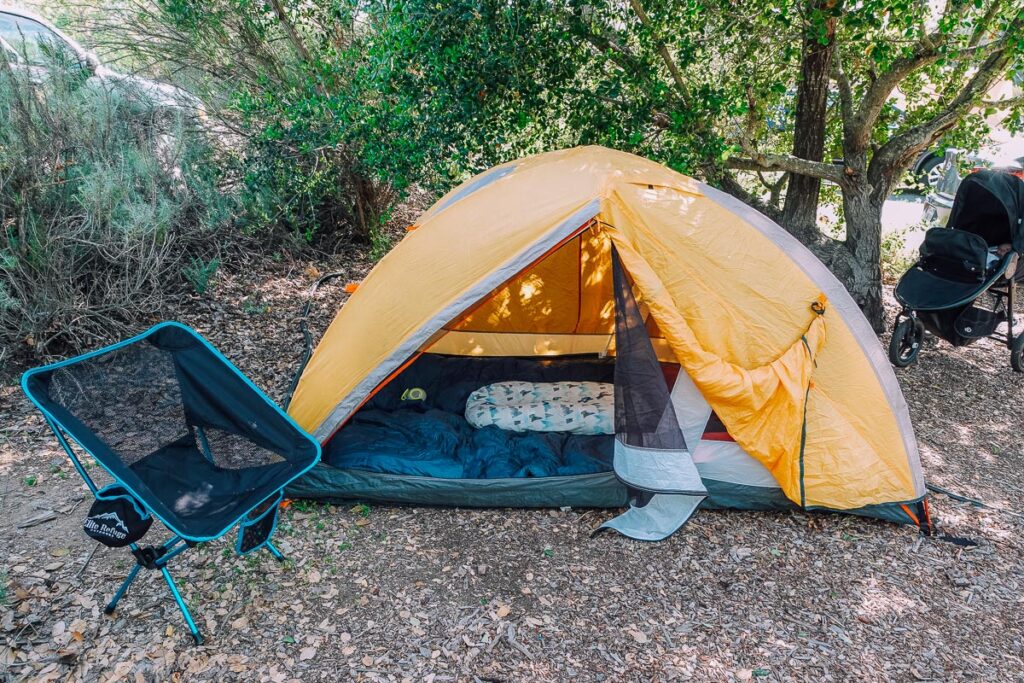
[962,287]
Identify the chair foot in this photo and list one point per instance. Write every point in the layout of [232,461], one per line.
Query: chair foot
[275,552]
[182,606]
[112,605]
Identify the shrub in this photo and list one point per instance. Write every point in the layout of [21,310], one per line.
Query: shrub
[103,203]
[895,259]
[200,272]
[290,81]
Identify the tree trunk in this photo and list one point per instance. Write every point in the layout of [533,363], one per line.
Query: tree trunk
[800,212]
[863,212]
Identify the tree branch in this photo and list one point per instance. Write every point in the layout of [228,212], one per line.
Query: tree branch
[618,53]
[788,163]
[729,184]
[900,149]
[1005,103]
[774,188]
[981,27]
[621,56]
[289,28]
[927,51]
[666,56]
[845,90]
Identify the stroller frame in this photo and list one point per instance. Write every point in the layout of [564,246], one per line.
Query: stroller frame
[908,330]
[939,292]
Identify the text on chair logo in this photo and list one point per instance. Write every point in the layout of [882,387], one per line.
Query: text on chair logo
[98,524]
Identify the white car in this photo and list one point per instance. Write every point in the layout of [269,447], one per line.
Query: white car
[1003,153]
[28,42]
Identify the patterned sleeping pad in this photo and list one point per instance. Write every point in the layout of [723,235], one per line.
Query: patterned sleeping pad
[576,407]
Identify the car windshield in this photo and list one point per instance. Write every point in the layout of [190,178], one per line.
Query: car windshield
[9,52]
[32,41]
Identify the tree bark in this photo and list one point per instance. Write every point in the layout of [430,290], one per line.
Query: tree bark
[867,175]
[289,28]
[862,207]
[800,211]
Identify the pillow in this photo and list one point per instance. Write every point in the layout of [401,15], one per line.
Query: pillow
[574,407]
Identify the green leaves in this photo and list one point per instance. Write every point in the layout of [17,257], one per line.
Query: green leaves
[427,93]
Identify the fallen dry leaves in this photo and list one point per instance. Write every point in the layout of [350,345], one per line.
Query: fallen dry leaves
[416,594]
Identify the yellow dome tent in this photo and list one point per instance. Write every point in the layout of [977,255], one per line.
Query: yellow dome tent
[513,269]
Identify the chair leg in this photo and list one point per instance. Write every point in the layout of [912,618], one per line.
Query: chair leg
[112,605]
[181,605]
[275,552]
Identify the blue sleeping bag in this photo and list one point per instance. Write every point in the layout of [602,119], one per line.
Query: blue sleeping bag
[415,426]
[403,442]
[438,443]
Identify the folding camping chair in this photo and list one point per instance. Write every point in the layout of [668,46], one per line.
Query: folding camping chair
[187,438]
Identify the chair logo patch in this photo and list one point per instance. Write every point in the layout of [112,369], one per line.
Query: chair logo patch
[114,518]
[107,524]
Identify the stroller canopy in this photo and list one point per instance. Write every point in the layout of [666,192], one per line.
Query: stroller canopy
[991,204]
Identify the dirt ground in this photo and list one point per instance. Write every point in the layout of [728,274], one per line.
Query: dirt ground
[422,594]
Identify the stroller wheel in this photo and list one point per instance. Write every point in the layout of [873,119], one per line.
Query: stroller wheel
[906,342]
[1017,353]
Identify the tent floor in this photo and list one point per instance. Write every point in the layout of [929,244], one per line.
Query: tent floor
[600,490]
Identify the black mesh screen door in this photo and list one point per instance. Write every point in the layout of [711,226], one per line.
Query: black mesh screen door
[651,456]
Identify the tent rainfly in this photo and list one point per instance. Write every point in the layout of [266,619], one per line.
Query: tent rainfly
[734,369]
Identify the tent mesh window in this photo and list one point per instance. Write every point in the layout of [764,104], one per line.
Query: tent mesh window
[644,416]
[131,399]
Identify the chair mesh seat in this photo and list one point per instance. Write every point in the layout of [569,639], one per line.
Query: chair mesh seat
[197,493]
[171,419]
[128,398]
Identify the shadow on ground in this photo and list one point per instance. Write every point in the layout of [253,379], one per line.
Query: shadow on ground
[391,593]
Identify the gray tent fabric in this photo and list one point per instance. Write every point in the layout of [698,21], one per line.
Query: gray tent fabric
[662,516]
[650,456]
[692,411]
[656,471]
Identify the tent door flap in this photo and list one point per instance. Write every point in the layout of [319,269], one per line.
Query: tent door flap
[651,454]
[656,470]
[673,479]
[660,518]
